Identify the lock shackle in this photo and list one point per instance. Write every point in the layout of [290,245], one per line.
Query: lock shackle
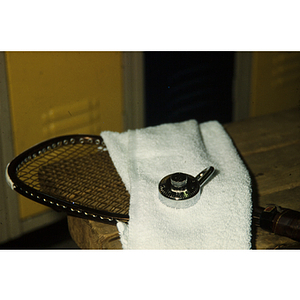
[203,176]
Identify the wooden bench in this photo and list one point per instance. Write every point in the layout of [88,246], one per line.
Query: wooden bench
[270,148]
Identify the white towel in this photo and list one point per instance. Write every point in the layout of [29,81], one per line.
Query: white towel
[221,219]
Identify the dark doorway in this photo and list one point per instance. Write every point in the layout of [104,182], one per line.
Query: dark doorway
[188,85]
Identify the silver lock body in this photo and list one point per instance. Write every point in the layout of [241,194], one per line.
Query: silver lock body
[180,190]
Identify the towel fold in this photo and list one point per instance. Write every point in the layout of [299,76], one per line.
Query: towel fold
[221,219]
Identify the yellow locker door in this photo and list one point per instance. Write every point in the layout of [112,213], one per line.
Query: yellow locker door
[275,82]
[57,93]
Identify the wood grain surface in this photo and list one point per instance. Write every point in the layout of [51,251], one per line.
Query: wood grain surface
[270,147]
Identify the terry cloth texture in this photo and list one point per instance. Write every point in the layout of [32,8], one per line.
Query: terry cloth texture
[221,219]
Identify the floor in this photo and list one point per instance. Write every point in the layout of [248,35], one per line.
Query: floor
[55,236]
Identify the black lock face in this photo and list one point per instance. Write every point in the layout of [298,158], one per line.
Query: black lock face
[179,186]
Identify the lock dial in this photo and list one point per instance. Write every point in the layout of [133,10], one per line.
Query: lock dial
[179,186]
[180,190]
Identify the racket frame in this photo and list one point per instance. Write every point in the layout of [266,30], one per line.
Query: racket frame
[58,205]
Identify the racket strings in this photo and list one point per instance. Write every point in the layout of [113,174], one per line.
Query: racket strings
[80,174]
[28,169]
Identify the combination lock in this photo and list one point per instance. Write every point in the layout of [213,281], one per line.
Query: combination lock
[180,190]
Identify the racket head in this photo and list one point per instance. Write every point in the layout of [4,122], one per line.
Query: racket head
[74,174]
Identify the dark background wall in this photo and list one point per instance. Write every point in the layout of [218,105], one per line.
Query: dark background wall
[188,85]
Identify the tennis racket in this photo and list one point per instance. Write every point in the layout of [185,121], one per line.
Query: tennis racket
[74,174]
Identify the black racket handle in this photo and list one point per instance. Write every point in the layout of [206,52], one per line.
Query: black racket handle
[281,221]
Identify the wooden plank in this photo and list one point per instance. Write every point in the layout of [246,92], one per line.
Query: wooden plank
[289,198]
[93,235]
[264,133]
[270,147]
[264,240]
[275,170]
